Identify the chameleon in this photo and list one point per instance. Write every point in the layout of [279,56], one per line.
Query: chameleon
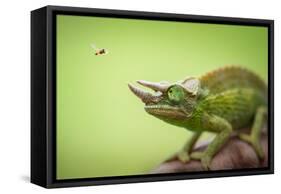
[221,101]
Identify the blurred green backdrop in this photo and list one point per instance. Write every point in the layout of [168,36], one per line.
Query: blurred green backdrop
[102,128]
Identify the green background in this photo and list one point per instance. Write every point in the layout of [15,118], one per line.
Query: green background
[102,128]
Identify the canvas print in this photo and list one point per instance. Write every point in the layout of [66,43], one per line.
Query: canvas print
[137,97]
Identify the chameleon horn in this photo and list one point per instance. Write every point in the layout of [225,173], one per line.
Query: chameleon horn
[162,87]
[144,96]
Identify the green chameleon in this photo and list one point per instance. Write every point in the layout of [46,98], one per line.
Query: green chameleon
[221,102]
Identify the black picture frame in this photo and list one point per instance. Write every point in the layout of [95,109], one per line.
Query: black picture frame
[43,95]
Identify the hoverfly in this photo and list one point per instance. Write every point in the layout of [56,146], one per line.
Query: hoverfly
[99,51]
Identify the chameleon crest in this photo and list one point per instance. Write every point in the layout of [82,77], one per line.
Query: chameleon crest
[221,101]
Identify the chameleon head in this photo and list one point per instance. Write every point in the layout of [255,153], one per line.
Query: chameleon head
[172,103]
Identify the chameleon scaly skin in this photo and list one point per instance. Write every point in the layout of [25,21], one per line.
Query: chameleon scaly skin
[221,101]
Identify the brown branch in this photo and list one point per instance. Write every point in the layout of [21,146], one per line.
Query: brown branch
[236,154]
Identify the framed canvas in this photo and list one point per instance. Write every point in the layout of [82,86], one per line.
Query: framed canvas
[201,106]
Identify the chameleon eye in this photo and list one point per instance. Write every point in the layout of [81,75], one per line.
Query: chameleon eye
[175,94]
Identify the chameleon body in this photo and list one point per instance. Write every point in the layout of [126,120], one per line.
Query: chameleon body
[221,101]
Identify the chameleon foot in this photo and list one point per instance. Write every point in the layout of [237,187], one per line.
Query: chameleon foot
[205,159]
[183,156]
[196,155]
[254,142]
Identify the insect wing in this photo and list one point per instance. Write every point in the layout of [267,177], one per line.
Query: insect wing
[94,46]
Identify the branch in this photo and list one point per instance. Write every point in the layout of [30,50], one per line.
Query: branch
[236,154]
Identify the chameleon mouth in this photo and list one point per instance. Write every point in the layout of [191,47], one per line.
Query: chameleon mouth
[165,111]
